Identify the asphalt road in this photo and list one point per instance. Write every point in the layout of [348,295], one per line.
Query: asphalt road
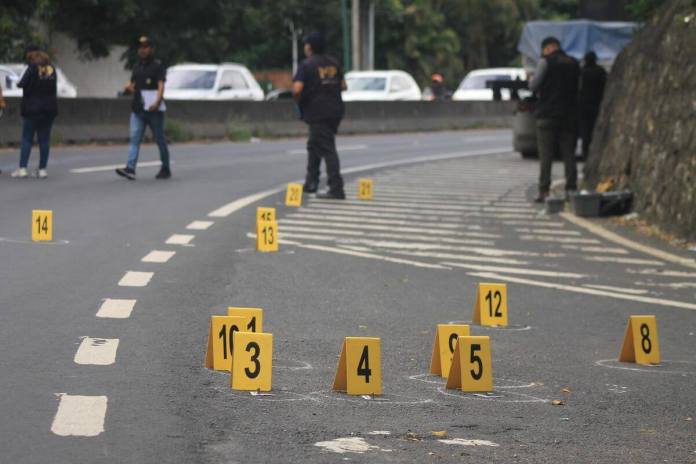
[451,210]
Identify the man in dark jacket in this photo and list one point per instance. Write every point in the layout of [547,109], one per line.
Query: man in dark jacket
[39,108]
[592,80]
[317,87]
[556,82]
[147,86]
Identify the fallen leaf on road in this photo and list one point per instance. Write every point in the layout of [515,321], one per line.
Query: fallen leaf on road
[689,419]
[565,390]
[439,433]
[411,436]
[557,403]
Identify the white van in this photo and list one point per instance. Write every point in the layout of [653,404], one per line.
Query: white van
[474,86]
[65,88]
[227,81]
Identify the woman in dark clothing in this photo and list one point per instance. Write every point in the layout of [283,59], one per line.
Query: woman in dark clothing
[39,108]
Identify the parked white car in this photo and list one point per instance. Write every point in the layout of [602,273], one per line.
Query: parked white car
[8,82]
[474,88]
[65,88]
[227,81]
[381,85]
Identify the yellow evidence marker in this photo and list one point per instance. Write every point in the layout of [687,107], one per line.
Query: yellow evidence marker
[641,344]
[253,318]
[365,189]
[293,196]
[252,361]
[491,305]
[267,236]
[42,225]
[220,347]
[471,369]
[359,369]
[446,336]
[265,214]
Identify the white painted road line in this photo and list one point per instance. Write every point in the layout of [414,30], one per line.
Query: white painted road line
[200,225]
[111,167]
[631,291]
[485,259]
[79,416]
[516,270]
[544,238]
[596,249]
[158,256]
[611,236]
[661,272]
[352,218]
[98,351]
[590,291]
[303,151]
[616,259]
[135,279]
[548,231]
[116,309]
[321,235]
[180,239]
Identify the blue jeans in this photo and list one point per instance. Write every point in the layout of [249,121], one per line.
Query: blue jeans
[41,125]
[138,121]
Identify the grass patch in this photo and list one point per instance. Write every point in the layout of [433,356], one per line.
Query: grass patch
[175,131]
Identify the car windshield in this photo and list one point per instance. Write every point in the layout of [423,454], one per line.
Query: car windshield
[479,81]
[191,79]
[361,84]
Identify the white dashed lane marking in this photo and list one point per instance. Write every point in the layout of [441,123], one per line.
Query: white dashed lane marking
[116,309]
[180,239]
[98,351]
[200,225]
[157,256]
[80,416]
[136,279]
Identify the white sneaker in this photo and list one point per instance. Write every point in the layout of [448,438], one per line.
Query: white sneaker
[41,174]
[20,173]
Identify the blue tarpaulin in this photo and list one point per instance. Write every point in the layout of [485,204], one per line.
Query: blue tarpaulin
[577,37]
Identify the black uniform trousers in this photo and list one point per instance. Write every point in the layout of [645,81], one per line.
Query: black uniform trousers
[553,135]
[322,144]
[588,118]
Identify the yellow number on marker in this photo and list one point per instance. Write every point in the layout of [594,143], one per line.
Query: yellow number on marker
[446,336]
[41,225]
[641,344]
[252,361]
[267,236]
[253,318]
[365,189]
[491,305]
[471,369]
[220,346]
[359,369]
[264,214]
[293,197]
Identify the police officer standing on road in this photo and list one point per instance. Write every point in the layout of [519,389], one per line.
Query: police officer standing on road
[556,82]
[593,77]
[147,86]
[317,87]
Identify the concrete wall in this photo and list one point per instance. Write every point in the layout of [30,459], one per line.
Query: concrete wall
[103,77]
[106,120]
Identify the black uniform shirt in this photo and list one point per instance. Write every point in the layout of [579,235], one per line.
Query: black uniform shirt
[321,95]
[39,89]
[592,80]
[556,80]
[146,75]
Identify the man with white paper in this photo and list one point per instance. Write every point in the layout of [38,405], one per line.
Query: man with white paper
[147,86]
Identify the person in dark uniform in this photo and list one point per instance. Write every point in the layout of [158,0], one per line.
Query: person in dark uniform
[556,83]
[147,86]
[39,108]
[592,80]
[317,87]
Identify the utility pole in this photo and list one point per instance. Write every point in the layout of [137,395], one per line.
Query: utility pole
[363,34]
[355,34]
[346,35]
[293,34]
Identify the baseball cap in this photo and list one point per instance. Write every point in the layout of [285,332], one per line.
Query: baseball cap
[145,41]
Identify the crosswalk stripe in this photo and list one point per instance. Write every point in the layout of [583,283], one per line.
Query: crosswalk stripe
[618,260]
[457,257]
[547,223]
[360,219]
[80,416]
[377,209]
[661,272]
[548,231]
[515,270]
[367,225]
[545,238]
[596,249]
[326,233]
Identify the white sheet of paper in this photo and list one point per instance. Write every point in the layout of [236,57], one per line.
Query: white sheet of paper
[149,98]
